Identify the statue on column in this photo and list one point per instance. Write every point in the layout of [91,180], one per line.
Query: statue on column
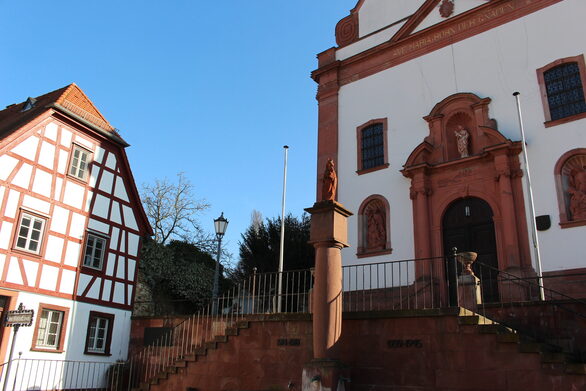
[462,137]
[329,182]
[577,192]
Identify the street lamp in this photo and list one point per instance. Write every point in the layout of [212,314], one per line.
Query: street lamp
[220,225]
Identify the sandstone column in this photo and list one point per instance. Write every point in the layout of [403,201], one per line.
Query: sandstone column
[328,236]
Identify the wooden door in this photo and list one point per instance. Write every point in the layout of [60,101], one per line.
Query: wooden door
[468,226]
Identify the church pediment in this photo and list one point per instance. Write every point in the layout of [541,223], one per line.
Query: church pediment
[459,127]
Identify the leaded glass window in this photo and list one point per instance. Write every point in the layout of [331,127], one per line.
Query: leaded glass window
[565,94]
[372,148]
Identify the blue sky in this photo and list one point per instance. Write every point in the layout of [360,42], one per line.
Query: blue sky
[212,89]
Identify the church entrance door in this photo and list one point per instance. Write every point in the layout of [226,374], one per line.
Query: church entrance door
[468,225]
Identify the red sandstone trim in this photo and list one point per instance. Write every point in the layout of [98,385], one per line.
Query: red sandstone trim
[460,27]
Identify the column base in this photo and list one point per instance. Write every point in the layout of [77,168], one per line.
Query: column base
[324,375]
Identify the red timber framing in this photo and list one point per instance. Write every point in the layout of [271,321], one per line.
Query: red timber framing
[115,163]
[404,46]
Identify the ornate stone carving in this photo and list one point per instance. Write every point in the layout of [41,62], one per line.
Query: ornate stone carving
[347,30]
[577,193]
[329,182]
[462,138]
[446,8]
[376,231]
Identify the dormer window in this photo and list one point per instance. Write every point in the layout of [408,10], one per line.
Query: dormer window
[29,104]
[79,164]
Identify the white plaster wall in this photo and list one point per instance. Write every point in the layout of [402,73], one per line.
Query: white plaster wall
[493,64]
[460,6]
[376,14]
[368,42]
[75,335]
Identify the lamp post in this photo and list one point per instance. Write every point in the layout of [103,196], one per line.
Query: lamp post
[220,225]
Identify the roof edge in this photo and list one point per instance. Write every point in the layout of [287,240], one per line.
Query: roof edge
[117,139]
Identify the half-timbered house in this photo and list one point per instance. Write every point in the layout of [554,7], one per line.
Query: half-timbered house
[71,223]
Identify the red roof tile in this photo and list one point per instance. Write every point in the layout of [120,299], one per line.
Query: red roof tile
[70,97]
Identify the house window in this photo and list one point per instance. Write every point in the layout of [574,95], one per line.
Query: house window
[99,334]
[80,160]
[374,227]
[95,247]
[30,233]
[563,90]
[372,146]
[50,328]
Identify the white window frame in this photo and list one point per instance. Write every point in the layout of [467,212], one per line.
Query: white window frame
[75,169]
[28,239]
[97,324]
[92,254]
[43,332]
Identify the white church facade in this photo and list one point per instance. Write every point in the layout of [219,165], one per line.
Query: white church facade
[416,109]
[71,224]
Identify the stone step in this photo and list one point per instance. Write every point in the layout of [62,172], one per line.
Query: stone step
[232,331]
[508,338]
[468,320]
[494,329]
[201,351]
[530,347]
[221,338]
[242,324]
[553,358]
[179,364]
[211,345]
[576,369]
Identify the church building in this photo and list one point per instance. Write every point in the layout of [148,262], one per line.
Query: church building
[71,224]
[417,110]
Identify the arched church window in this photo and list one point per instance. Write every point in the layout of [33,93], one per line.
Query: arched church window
[372,146]
[570,176]
[563,90]
[374,227]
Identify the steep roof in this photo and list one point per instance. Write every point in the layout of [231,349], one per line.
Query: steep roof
[69,99]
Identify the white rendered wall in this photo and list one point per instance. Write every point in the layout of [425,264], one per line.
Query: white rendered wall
[376,14]
[41,374]
[75,335]
[493,64]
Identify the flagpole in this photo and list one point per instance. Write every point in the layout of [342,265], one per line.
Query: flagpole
[282,245]
[531,203]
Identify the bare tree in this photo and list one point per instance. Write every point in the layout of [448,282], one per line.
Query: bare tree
[172,210]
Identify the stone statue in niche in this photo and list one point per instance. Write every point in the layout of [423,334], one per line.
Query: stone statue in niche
[376,232]
[577,193]
[329,182]
[462,138]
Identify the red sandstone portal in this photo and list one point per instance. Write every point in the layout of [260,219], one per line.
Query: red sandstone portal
[440,174]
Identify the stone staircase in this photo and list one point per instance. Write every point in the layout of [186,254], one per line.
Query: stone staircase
[554,354]
[543,363]
[180,364]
